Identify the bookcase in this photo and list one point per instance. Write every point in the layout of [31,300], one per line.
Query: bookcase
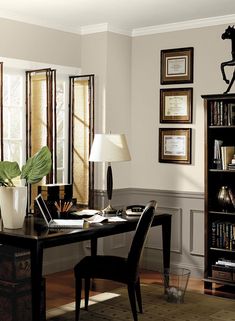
[219,190]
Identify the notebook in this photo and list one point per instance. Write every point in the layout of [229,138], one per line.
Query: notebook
[56,223]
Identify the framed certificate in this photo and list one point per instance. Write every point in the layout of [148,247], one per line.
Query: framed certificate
[177,66]
[175,145]
[176,105]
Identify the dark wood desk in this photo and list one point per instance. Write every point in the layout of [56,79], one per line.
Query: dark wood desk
[36,240]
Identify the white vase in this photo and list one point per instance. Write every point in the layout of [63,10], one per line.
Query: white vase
[13,203]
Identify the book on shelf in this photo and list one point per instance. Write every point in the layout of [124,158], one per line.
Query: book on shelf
[231,114]
[227,153]
[225,262]
[223,235]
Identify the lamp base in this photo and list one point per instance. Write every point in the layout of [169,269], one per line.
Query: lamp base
[109,211]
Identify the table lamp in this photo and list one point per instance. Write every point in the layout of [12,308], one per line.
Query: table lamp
[109,148]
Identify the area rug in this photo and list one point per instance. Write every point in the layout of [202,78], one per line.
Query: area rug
[115,306]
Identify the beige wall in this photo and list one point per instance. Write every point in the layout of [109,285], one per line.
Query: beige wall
[127,84]
[29,42]
[108,56]
[210,50]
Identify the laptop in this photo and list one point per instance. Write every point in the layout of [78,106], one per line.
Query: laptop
[56,223]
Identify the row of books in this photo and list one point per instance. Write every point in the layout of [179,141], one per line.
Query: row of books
[224,156]
[222,114]
[223,235]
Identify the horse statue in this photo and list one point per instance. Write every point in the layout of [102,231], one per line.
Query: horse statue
[229,34]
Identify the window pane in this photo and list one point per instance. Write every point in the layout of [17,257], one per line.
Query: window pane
[60,153]
[6,91]
[16,90]
[13,151]
[60,124]
[15,123]
[12,90]
[6,126]
[60,177]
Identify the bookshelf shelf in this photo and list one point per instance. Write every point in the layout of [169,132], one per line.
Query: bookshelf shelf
[221,170]
[221,213]
[221,126]
[221,250]
[219,218]
[222,282]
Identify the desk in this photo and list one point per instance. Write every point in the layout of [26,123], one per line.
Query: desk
[36,240]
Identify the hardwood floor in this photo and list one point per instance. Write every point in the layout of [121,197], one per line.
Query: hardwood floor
[60,286]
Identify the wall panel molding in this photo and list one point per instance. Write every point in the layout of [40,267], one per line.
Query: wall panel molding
[196,243]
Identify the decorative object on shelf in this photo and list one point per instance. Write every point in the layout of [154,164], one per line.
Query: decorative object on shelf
[13,199]
[175,145]
[224,198]
[229,34]
[177,66]
[176,105]
[217,161]
[109,148]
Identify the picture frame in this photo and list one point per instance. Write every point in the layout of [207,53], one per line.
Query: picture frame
[177,65]
[175,145]
[176,105]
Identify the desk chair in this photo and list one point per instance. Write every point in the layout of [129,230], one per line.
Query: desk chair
[115,268]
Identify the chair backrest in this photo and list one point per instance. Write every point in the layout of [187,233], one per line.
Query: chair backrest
[139,238]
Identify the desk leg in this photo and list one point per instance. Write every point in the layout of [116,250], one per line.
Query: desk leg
[36,280]
[166,240]
[93,247]
[93,253]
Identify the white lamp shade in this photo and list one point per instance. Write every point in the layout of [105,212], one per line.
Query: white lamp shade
[109,148]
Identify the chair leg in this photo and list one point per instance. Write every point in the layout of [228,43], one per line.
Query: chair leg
[138,295]
[87,289]
[132,299]
[78,297]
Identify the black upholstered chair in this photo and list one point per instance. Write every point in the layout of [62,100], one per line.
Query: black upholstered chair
[119,269]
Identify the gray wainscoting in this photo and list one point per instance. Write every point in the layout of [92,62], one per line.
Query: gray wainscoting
[187,237]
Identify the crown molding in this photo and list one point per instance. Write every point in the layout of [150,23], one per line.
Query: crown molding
[102,27]
[105,27]
[190,24]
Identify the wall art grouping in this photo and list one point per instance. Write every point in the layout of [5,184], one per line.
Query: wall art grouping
[176,105]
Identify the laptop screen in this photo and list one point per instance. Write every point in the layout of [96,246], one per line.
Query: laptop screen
[43,209]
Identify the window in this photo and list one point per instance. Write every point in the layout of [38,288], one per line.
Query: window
[59,113]
[13,116]
[81,136]
[62,125]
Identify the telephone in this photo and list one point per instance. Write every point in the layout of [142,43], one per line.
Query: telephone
[134,209]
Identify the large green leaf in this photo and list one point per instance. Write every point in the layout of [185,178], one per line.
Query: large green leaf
[8,171]
[37,166]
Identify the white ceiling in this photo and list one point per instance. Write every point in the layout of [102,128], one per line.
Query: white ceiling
[125,15]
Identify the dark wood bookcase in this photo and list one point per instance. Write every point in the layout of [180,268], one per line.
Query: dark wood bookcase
[219,218]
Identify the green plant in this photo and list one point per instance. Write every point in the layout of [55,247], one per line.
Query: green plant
[36,167]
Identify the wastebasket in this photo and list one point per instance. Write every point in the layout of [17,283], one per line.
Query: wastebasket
[175,282]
